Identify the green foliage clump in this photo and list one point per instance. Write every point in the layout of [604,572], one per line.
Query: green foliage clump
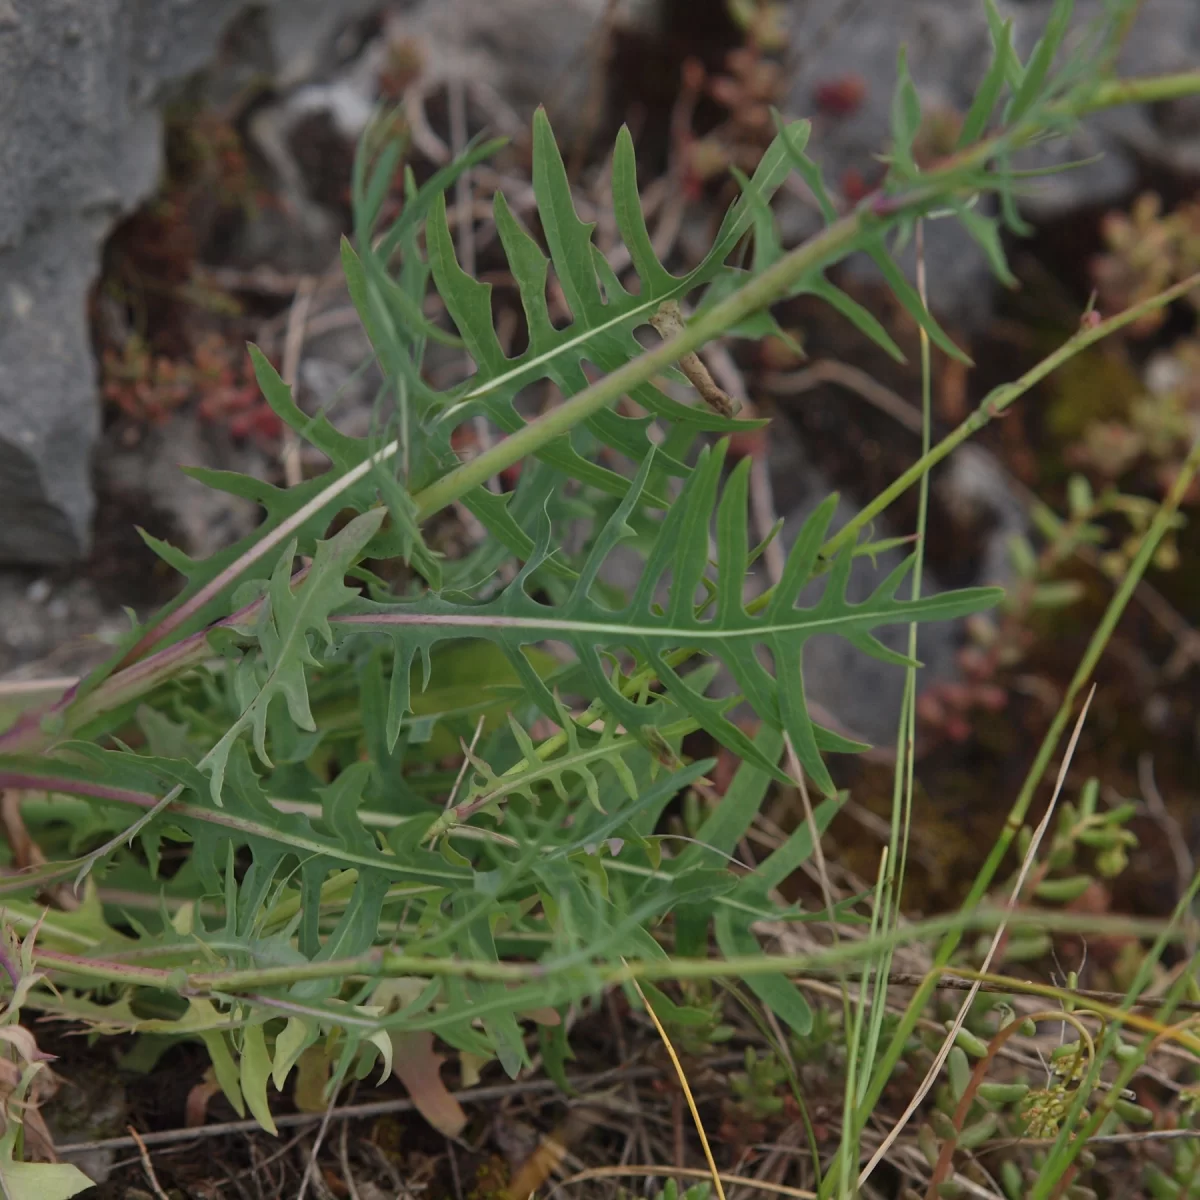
[254,790]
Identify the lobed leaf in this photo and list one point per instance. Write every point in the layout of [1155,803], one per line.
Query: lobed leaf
[282,630]
[678,560]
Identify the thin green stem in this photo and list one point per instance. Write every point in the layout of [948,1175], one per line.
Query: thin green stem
[1152,89]
[381,963]
[1158,529]
[758,293]
[903,779]
[995,404]
[1070,1139]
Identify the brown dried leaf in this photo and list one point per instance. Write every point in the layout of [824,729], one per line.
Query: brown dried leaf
[25,851]
[543,1016]
[418,1067]
[195,1112]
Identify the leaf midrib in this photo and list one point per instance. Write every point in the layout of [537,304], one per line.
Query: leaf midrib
[580,334]
[692,633]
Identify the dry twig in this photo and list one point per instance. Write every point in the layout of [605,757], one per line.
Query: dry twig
[147,1165]
[348,1112]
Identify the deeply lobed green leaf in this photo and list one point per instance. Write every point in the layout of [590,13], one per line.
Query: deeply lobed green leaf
[679,562]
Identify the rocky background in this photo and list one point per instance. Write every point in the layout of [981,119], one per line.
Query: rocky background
[173,182]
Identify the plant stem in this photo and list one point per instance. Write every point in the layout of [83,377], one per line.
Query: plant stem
[758,293]
[1158,529]
[1152,89]
[381,963]
[994,405]
[774,283]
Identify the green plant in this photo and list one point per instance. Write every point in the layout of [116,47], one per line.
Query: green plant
[1147,250]
[758,1091]
[1158,425]
[1179,1177]
[279,732]
[1082,829]
[671,1191]
[697,1024]
[25,1084]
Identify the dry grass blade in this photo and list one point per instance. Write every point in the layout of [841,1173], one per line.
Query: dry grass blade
[669,323]
[293,348]
[759,1185]
[687,1092]
[997,939]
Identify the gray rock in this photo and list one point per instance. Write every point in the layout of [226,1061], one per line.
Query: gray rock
[980,493]
[81,87]
[198,519]
[300,33]
[501,59]
[948,54]
[81,84]
[53,630]
[340,378]
[48,412]
[1164,38]
[516,54]
[845,688]
[79,146]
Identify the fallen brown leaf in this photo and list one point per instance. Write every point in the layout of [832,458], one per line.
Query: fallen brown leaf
[418,1067]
